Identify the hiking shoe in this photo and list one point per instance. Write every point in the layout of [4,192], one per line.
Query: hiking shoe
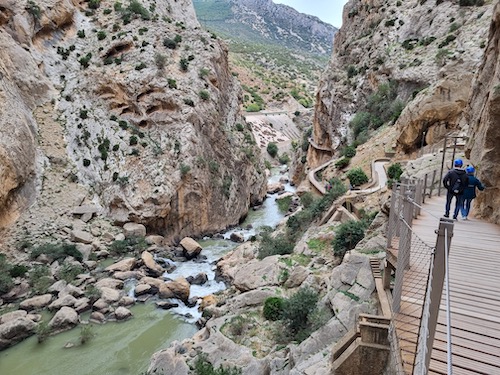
[446,215]
[465,218]
[455,218]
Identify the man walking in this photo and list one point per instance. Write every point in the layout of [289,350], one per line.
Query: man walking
[455,182]
[470,191]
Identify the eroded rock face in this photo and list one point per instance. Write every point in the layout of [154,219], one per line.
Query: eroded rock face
[151,128]
[409,44]
[483,117]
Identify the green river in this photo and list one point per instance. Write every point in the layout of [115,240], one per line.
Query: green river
[123,348]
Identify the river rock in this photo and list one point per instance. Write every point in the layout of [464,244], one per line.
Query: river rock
[81,236]
[82,305]
[191,248]
[86,250]
[109,283]
[57,286]
[67,300]
[237,237]
[122,313]
[209,300]
[17,292]
[131,230]
[142,289]
[37,302]
[13,315]
[165,362]
[15,330]
[97,317]
[65,318]
[153,268]
[128,275]
[275,188]
[157,283]
[199,279]
[126,264]
[101,305]
[155,239]
[166,305]
[109,295]
[175,289]
[85,209]
[126,301]
[71,290]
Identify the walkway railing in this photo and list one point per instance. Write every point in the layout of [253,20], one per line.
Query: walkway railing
[419,274]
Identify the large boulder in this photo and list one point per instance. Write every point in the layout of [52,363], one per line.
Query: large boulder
[109,282]
[64,319]
[110,295]
[67,300]
[126,264]
[122,313]
[131,230]
[258,273]
[191,248]
[35,303]
[15,330]
[12,316]
[153,268]
[81,236]
[179,288]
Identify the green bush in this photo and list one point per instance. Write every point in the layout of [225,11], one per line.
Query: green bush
[203,367]
[86,162]
[357,177]
[132,244]
[298,308]
[40,279]
[80,34]
[273,308]
[277,245]
[342,163]
[169,43]
[395,171]
[57,251]
[160,61]
[284,203]
[69,272]
[86,333]
[349,151]
[85,60]
[253,108]
[42,331]
[18,270]
[348,235]
[101,35]
[272,149]
[6,282]
[284,158]
[204,95]
[184,64]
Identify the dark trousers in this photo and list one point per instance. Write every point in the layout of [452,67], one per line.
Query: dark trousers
[466,203]
[458,204]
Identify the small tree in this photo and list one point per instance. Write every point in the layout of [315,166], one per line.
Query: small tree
[348,235]
[272,149]
[357,177]
[395,171]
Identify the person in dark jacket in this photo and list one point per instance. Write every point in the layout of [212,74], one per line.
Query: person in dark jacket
[470,191]
[455,182]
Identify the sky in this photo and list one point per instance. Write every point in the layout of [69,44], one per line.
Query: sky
[329,11]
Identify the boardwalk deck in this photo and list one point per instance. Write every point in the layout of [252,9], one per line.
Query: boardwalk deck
[474,296]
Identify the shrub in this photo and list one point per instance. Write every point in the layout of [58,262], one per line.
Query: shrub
[137,8]
[101,35]
[357,177]
[204,95]
[298,308]
[94,4]
[92,292]
[272,149]
[278,245]
[6,282]
[239,127]
[273,308]
[40,279]
[128,245]
[253,108]
[284,203]
[81,34]
[395,171]
[203,367]
[18,270]
[86,162]
[57,251]
[86,333]
[140,66]
[169,43]
[69,272]
[348,235]
[349,151]
[184,169]
[160,61]
[133,140]
[172,83]
[85,60]
[342,163]
[351,71]
[33,9]
[42,331]
[189,102]
[184,64]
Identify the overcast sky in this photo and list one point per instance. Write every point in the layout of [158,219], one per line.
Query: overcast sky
[326,10]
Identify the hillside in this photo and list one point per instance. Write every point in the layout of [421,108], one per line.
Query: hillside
[277,53]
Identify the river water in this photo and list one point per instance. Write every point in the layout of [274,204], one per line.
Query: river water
[123,348]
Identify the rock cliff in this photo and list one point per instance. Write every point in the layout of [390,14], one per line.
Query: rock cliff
[427,50]
[146,103]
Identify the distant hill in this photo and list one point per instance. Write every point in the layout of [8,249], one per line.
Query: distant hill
[277,52]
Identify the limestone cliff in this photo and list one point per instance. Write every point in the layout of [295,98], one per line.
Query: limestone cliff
[429,50]
[149,109]
[483,118]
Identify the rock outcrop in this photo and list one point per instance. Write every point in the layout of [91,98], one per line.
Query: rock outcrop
[483,118]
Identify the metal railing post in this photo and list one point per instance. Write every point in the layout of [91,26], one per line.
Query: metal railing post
[442,165]
[435,288]
[391,226]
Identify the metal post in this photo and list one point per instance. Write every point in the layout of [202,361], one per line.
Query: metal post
[425,188]
[392,216]
[443,242]
[454,151]
[442,165]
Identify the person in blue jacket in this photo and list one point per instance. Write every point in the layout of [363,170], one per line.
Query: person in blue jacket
[455,182]
[470,191]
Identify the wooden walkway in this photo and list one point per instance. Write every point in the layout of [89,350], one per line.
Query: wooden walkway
[474,295]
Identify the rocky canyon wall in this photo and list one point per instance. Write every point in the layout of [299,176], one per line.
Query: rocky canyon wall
[483,118]
[429,50]
[149,108]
